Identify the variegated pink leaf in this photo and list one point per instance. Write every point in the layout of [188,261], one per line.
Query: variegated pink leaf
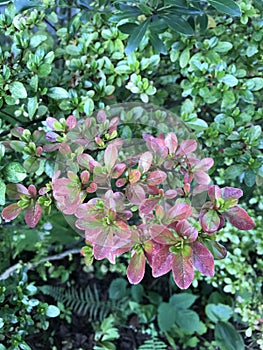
[239,218]
[71,122]
[145,162]
[204,164]
[210,221]
[178,212]
[171,142]
[231,192]
[87,162]
[51,136]
[184,229]
[202,259]
[214,192]
[92,188]
[15,191]
[103,245]
[118,170]
[11,212]
[101,117]
[110,156]
[202,178]
[170,194]
[183,270]
[148,205]
[84,176]
[135,194]
[50,122]
[162,235]
[33,215]
[32,191]
[186,147]
[134,176]
[161,260]
[156,178]
[136,268]
[121,182]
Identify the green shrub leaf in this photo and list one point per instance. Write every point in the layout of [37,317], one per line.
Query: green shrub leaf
[17,90]
[227,337]
[229,7]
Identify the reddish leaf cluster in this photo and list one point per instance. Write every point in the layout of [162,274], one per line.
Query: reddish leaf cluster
[141,203]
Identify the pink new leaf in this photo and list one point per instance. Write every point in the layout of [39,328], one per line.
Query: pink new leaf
[202,259]
[136,268]
[71,122]
[32,191]
[87,162]
[179,212]
[118,170]
[145,162]
[210,221]
[204,164]
[162,235]
[161,260]
[214,192]
[239,218]
[231,192]
[171,142]
[148,205]
[186,147]
[183,270]
[110,156]
[135,194]
[11,212]
[134,176]
[33,215]
[15,191]
[156,177]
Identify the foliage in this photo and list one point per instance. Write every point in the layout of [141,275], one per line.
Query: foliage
[61,60]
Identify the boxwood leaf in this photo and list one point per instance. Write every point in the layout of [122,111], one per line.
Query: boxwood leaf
[17,90]
[58,93]
[229,7]
[14,172]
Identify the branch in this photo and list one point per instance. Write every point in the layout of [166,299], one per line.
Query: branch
[31,266]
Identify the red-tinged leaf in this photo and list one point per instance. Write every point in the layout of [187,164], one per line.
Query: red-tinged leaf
[148,205]
[32,191]
[51,148]
[65,150]
[210,221]
[156,177]
[87,162]
[14,191]
[33,215]
[145,162]
[50,122]
[121,182]
[204,164]
[118,170]
[134,176]
[84,177]
[161,260]
[200,189]
[231,192]
[135,194]
[11,212]
[183,270]
[103,245]
[153,190]
[202,178]
[110,156]
[92,188]
[179,212]
[214,192]
[136,268]
[239,218]
[51,136]
[71,122]
[186,147]
[162,235]
[159,212]
[171,142]
[101,117]
[170,194]
[184,229]
[202,259]
[217,249]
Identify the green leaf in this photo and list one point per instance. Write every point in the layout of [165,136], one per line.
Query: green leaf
[118,289]
[219,312]
[36,40]
[234,170]
[157,43]
[223,46]
[229,7]
[227,337]
[188,320]
[58,93]
[198,124]
[17,90]
[229,80]
[250,178]
[52,311]
[32,106]
[89,106]
[183,300]
[255,84]
[2,192]
[178,24]
[22,5]
[14,172]
[136,37]
[166,316]
[184,58]
[44,70]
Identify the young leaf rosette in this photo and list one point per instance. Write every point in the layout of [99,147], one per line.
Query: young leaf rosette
[131,178]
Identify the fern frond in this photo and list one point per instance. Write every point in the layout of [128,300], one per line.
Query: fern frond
[85,302]
[153,344]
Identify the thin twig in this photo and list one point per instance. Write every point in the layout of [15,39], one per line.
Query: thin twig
[31,266]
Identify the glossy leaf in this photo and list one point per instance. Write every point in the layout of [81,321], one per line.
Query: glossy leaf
[178,24]
[239,218]
[229,7]
[156,177]
[179,212]
[210,221]
[137,36]
[136,268]
[203,260]
[183,270]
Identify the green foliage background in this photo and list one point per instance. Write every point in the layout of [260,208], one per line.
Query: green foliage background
[58,60]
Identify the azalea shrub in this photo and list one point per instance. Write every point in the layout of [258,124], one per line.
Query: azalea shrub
[149,194]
